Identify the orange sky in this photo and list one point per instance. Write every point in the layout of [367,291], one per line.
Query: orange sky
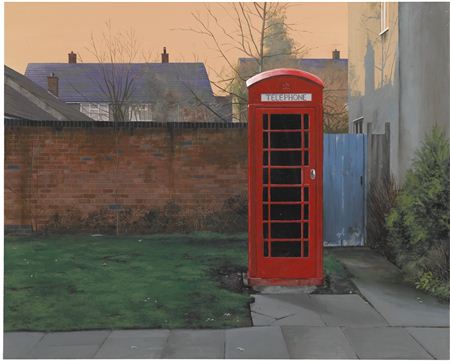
[46,32]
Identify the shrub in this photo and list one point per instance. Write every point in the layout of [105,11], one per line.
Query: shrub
[231,218]
[380,201]
[419,225]
[169,218]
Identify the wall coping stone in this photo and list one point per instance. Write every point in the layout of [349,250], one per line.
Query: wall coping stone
[59,124]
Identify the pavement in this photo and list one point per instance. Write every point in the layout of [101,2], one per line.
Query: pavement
[390,320]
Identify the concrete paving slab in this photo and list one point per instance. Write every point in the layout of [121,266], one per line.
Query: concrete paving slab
[283,307]
[404,306]
[296,299]
[384,343]
[269,305]
[305,315]
[382,284]
[435,340]
[74,338]
[17,344]
[300,319]
[317,343]
[255,343]
[69,345]
[284,289]
[261,320]
[133,344]
[63,352]
[347,310]
[195,344]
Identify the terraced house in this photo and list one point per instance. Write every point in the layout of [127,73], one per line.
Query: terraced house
[133,91]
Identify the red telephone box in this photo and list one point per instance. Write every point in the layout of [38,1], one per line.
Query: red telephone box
[285,178]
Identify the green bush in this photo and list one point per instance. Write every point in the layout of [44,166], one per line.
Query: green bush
[419,224]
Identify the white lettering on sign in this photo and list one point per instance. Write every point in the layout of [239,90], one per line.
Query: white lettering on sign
[285,97]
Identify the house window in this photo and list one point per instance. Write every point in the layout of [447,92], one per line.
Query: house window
[140,112]
[384,17]
[358,125]
[96,111]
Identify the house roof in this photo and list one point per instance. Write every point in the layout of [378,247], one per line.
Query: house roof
[83,82]
[26,100]
[309,63]
[284,72]
[318,63]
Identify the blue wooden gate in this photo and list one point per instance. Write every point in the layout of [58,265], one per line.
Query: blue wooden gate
[343,189]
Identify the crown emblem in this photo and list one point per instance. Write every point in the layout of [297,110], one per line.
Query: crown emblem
[285,86]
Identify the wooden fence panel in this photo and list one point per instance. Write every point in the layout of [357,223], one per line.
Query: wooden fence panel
[343,189]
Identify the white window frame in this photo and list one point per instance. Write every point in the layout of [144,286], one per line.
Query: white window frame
[384,17]
[358,125]
[96,111]
[135,111]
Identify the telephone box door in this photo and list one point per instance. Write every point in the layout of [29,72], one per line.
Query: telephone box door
[288,158]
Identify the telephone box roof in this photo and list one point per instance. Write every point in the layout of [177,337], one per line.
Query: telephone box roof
[284,72]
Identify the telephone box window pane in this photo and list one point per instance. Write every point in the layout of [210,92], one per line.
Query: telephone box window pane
[306,121]
[306,139]
[265,212]
[285,249]
[265,122]
[285,121]
[285,158]
[265,194]
[265,139]
[286,176]
[305,230]
[306,194]
[285,140]
[306,249]
[265,174]
[265,230]
[285,212]
[306,158]
[265,159]
[285,194]
[266,249]
[285,230]
[305,212]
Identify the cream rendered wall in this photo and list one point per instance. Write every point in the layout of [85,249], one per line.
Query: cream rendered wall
[373,72]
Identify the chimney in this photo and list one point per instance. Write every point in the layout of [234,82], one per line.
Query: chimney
[72,57]
[336,54]
[52,82]
[164,56]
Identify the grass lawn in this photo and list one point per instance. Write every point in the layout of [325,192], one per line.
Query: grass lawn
[158,281]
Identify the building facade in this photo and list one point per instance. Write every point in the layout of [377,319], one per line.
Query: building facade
[399,74]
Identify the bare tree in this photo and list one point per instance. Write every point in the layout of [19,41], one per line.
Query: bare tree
[115,53]
[258,32]
[335,113]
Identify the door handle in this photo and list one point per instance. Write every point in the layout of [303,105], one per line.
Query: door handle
[312,174]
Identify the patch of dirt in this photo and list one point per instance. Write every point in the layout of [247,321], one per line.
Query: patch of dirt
[335,283]
[229,277]
[192,318]
[121,258]
[16,289]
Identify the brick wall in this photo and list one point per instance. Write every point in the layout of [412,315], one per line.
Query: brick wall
[70,176]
